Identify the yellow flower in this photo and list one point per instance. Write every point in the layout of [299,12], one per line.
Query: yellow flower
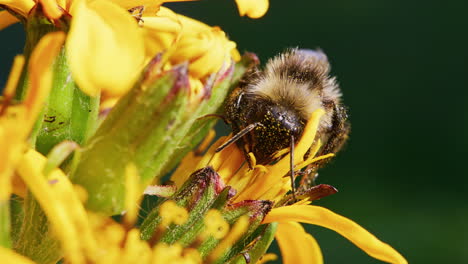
[21,7]
[104,48]
[269,183]
[17,120]
[90,238]
[252,8]
[107,48]
[207,49]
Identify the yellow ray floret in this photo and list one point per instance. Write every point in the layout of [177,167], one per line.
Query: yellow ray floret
[105,48]
[297,246]
[263,182]
[7,19]
[323,217]
[16,121]
[252,8]
[10,256]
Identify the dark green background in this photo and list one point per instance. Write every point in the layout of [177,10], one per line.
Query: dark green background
[402,66]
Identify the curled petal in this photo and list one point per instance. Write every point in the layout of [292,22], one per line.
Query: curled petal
[104,47]
[213,50]
[51,9]
[352,231]
[7,19]
[21,7]
[161,31]
[296,245]
[206,48]
[252,8]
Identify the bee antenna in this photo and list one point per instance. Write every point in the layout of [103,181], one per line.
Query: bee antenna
[291,163]
[237,136]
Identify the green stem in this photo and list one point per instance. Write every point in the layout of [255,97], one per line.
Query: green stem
[5,232]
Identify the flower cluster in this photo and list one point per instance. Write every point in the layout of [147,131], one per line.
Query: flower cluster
[108,98]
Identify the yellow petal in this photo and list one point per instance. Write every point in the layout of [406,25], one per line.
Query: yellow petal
[161,31]
[323,217]
[185,39]
[16,121]
[40,71]
[13,78]
[10,256]
[151,6]
[277,171]
[252,8]
[105,48]
[21,7]
[207,50]
[51,9]
[132,193]
[30,170]
[297,247]
[7,19]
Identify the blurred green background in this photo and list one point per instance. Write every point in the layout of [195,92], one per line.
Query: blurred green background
[402,66]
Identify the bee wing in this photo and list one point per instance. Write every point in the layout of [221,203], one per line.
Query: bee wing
[313,54]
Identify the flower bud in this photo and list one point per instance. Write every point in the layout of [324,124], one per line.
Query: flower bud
[218,229]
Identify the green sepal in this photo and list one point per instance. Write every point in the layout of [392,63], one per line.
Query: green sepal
[214,104]
[36,240]
[197,195]
[17,216]
[134,131]
[204,190]
[261,245]
[256,210]
[197,228]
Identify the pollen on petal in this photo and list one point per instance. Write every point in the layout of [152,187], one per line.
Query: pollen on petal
[170,213]
[277,171]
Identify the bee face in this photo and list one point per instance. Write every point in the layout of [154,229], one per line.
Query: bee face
[270,107]
[276,124]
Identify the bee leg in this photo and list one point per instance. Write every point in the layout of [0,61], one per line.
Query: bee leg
[247,158]
[237,136]
[291,163]
[216,116]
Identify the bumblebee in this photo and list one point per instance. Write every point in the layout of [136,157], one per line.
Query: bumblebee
[269,109]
